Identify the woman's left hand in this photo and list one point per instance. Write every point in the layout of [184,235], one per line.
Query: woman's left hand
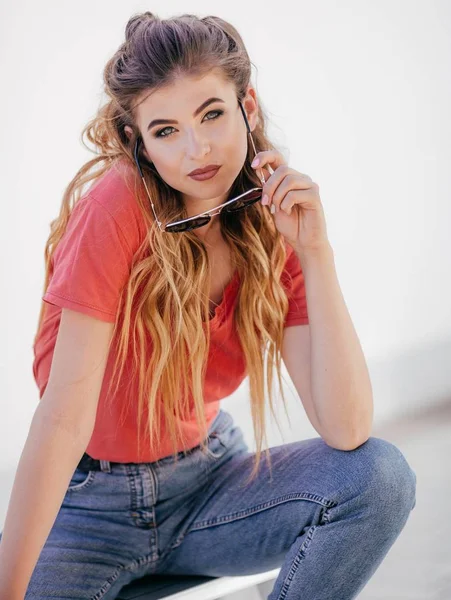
[299,214]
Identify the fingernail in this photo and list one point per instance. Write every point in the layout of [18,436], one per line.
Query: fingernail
[255,162]
[273,208]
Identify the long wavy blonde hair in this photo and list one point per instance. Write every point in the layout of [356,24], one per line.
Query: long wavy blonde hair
[166,295]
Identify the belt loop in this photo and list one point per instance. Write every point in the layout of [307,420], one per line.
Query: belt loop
[105,466]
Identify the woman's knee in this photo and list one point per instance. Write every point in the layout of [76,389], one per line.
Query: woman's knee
[388,476]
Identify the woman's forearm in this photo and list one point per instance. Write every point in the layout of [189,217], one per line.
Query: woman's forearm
[48,460]
[340,383]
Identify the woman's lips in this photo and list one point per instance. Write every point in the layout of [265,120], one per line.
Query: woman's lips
[206,175]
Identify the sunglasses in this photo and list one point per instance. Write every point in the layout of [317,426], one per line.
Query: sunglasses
[233,205]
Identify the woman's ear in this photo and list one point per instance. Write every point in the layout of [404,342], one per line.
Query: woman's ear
[251,107]
[129,132]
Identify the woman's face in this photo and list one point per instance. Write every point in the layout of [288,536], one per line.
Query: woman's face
[215,135]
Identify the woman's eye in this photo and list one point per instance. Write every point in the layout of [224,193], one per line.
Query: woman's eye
[160,134]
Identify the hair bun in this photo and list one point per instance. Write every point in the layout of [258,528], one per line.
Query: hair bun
[136,20]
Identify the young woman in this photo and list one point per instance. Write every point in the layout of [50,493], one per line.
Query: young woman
[163,291]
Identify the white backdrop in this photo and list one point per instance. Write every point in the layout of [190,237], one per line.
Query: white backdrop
[358,93]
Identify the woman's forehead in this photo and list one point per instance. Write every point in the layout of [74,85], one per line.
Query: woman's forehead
[184,95]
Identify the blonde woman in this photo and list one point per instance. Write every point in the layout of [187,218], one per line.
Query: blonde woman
[164,289]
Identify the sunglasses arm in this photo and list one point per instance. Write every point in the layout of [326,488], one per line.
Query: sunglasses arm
[262,178]
[159,223]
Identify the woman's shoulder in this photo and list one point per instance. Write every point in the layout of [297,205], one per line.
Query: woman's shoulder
[114,190]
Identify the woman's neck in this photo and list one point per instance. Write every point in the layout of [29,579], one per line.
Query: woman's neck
[211,233]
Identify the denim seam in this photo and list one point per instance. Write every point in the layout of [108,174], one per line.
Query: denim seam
[302,552]
[109,582]
[258,508]
[132,488]
[155,492]
[141,561]
[132,474]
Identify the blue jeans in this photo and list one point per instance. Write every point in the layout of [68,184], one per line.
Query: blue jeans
[327,517]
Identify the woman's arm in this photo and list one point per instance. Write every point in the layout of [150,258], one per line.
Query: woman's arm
[59,434]
[341,388]
[325,361]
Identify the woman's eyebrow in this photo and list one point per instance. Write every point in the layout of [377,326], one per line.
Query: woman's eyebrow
[196,112]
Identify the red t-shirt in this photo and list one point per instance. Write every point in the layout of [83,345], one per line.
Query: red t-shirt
[92,263]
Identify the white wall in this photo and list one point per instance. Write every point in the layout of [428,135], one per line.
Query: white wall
[359,95]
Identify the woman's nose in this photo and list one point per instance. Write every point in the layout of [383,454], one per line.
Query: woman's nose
[197,146]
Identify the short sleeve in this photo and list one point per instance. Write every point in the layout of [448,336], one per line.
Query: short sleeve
[293,279]
[91,263]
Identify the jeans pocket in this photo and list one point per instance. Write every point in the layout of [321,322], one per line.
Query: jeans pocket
[81,480]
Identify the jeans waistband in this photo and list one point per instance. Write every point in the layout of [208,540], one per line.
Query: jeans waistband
[87,463]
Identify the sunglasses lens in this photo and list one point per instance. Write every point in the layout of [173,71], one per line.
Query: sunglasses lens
[188,225]
[245,200]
